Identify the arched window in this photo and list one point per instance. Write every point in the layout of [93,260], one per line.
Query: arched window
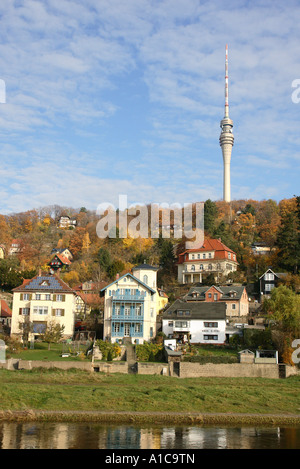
[193,268]
[201,266]
[145,279]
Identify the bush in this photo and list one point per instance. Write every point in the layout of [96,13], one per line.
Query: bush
[109,351]
[150,352]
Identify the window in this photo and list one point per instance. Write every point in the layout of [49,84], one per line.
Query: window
[59,297]
[151,312]
[24,311]
[209,295]
[204,256]
[215,297]
[198,255]
[59,312]
[127,311]
[116,328]
[209,255]
[138,311]
[26,296]
[233,306]
[229,255]
[210,324]
[193,256]
[170,324]
[145,279]
[201,266]
[40,310]
[269,286]
[269,276]
[209,266]
[151,331]
[137,328]
[47,297]
[210,337]
[37,296]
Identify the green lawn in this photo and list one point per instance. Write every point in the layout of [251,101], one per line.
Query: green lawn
[55,390]
[41,352]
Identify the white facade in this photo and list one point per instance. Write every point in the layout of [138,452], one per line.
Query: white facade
[131,305]
[201,331]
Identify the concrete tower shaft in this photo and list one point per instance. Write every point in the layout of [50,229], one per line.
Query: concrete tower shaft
[226,138]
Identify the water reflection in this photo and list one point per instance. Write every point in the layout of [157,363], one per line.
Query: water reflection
[95,436]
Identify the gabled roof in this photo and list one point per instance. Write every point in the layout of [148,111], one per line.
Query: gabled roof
[197,310]
[62,259]
[224,290]
[46,283]
[277,274]
[5,311]
[215,245]
[133,277]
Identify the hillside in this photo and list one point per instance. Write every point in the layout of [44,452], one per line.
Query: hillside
[240,225]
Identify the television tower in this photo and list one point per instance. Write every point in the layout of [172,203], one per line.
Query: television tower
[226,138]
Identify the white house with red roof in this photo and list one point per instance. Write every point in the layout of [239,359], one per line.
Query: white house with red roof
[212,258]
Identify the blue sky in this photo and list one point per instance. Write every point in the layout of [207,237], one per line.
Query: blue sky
[110,97]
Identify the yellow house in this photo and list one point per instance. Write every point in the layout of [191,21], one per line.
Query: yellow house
[41,300]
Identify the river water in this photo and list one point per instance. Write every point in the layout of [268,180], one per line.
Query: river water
[98,436]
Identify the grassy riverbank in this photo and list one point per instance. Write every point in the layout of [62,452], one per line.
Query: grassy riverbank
[63,392]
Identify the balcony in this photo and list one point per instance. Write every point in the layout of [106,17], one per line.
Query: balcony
[127,297]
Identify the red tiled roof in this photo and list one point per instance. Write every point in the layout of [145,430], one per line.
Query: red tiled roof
[208,245]
[5,309]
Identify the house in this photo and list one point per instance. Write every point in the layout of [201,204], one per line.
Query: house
[58,262]
[65,222]
[235,298]
[131,305]
[260,249]
[2,251]
[212,258]
[16,247]
[40,300]
[268,281]
[88,297]
[5,313]
[63,252]
[197,322]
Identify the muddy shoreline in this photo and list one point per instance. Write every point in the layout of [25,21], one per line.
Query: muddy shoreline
[153,418]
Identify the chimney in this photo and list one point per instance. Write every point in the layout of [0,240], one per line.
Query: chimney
[40,272]
[117,276]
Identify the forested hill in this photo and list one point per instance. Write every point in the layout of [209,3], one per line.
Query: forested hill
[239,225]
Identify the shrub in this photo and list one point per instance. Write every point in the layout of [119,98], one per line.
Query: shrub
[149,352]
[107,348]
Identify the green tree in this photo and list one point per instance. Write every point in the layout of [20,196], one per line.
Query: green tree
[104,259]
[284,307]
[53,333]
[210,216]
[288,242]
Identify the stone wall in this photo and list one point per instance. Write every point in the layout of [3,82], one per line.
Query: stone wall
[182,370]
[233,370]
